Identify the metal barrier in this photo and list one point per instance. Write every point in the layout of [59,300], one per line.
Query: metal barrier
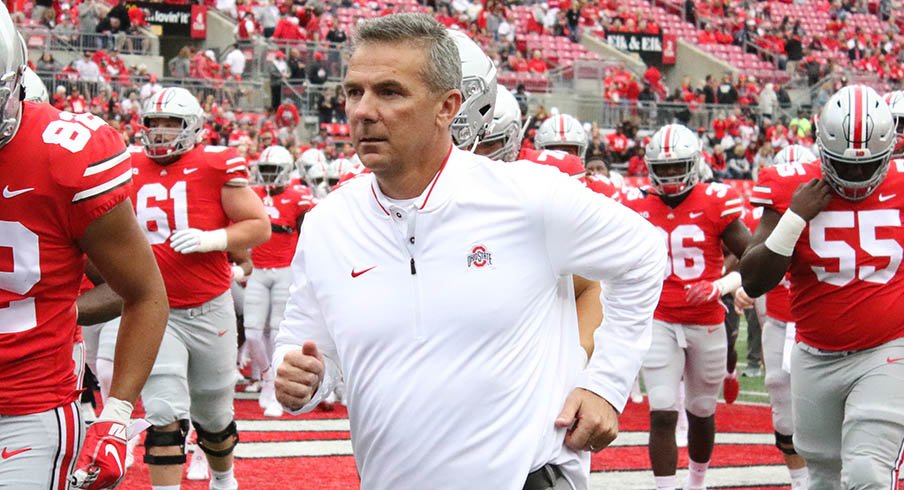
[333,61]
[40,37]
[247,95]
[652,115]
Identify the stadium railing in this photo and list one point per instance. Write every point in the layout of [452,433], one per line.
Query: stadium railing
[247,95]
[40,37]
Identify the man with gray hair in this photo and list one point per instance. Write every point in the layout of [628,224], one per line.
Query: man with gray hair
[440,287]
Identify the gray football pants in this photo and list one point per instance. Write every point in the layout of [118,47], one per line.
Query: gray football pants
[849,415]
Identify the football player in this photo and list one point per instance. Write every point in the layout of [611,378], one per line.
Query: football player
[562,132]
[835,227]
[194,204]
[696,220]
[895,101]
[312,167]
[774,311]
[267,290]
[65,195]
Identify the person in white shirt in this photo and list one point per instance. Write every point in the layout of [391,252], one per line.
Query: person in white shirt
[439,287]
[236,61]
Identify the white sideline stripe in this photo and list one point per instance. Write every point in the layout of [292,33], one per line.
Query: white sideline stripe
[736,476]
[298,425]
[343,447]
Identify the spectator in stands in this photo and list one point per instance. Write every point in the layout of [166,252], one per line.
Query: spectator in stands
[710,88]
[38,9]
[288,31]
[88,71]
[89,15]
[505,31]
[768,102]
[267,15]
[317,73]
[66,33]
[738,165]
[336,36]
[800,125]
[278,72]
[764,157]
[573,21]
[46,67]
[521,97]
[784,98]
[246,28]
[150,88]
[287,114]
[707,35]
[637,166]
[180,65]
[296,65]
[338,103]
[236,61]
[726,93]
[518,64]
[536,63]
[76,102]
[48,18]
[324,104]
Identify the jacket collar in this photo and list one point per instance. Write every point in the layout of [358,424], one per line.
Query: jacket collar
[437,193]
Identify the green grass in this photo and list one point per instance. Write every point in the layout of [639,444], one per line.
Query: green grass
[752,389]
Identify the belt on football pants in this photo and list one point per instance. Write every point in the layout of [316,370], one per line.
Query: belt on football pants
[543,478]
[816,351]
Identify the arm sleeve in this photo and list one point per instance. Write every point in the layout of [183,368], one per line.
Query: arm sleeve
[304,321]
[602,240]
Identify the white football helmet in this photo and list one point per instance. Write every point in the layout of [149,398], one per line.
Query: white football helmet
[673,158]
[171,103]
[562,132]
[504,134]
[855,135]
[35,90]
[336,169]
[312,157]
[794,154]
[895,101]
[478,89]
[314,165]
[273,167]
[12,67]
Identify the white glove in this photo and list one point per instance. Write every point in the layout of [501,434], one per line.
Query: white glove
[193,240]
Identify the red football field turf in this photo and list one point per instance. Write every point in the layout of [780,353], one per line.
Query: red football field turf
[338,472]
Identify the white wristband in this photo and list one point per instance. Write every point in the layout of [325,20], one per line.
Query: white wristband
[784,237]
[116,410]
[729,283]
[215,240]
[238,273]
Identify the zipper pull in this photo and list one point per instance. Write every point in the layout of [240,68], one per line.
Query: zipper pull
[413,269]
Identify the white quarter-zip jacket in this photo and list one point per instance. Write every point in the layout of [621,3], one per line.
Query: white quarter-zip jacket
[454,323]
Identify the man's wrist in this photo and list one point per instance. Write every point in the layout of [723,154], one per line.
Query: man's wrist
[116,410]
[784,237]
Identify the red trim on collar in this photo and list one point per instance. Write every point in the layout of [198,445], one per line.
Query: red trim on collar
[435,179]
[374,191]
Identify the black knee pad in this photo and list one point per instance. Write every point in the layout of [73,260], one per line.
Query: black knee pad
[156,438]
[785,444]
[205,437]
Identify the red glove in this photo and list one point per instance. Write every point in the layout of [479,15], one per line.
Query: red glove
[101,463]
[702,292]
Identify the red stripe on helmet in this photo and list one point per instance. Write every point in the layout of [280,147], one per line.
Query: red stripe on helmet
[561,128]
[857,134]
[666,144]
[160,100]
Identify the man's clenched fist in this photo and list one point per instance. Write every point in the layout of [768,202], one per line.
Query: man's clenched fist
[299,376]
[101,463]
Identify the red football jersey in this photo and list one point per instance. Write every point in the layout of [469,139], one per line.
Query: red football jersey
[846,289]
[602,185]
[60,172]
[187,194]
[693,234]
[565,162]
[778,300]
[285,211]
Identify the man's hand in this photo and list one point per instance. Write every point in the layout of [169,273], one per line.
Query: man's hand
[811,198]
[299,376]
[592,421]
[193,240]
[101,463]
[702,292]
[742,301]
